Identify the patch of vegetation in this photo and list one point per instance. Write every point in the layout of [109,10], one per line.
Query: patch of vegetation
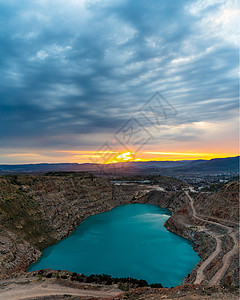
[84,174]
[13,179]
[19,212]
[156,285]
[124,282]
[108,280]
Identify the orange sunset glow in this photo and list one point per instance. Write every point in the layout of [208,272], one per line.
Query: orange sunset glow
[107,157]
[142,83]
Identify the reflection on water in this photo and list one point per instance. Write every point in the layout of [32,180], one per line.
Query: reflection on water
[130,240]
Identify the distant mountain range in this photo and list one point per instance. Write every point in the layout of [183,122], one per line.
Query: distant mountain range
[186,167]
[171,168]
[213,166]
[159,164]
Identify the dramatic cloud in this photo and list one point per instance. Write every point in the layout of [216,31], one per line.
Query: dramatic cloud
[72,72]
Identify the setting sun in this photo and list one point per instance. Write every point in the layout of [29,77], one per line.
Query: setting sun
[123,157]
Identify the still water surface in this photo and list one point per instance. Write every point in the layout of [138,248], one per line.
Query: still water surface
[128,241]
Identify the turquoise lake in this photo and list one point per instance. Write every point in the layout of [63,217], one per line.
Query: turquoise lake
[128,241]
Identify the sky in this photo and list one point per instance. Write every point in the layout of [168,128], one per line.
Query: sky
[102,80]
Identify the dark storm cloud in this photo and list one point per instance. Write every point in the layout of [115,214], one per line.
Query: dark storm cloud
[74,68]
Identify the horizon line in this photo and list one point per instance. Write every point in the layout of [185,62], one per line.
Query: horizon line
[133,161]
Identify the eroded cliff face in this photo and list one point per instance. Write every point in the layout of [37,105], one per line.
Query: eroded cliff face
[37,211]
[223,204]
[211,223]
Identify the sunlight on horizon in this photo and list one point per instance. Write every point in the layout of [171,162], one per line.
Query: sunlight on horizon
[65,156]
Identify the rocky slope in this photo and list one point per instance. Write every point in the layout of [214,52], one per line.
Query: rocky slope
[210,221]
[50,284]
[39,210]
[223,204]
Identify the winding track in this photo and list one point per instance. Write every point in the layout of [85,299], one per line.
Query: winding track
[226,261]
[226,258]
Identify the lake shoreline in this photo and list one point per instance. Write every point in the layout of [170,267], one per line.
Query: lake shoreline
[117,229]
[171,224]
[68,206]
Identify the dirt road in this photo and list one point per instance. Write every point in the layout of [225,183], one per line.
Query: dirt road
[226,258]
[25,291]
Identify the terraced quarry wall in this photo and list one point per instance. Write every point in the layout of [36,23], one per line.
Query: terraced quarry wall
[37,211]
